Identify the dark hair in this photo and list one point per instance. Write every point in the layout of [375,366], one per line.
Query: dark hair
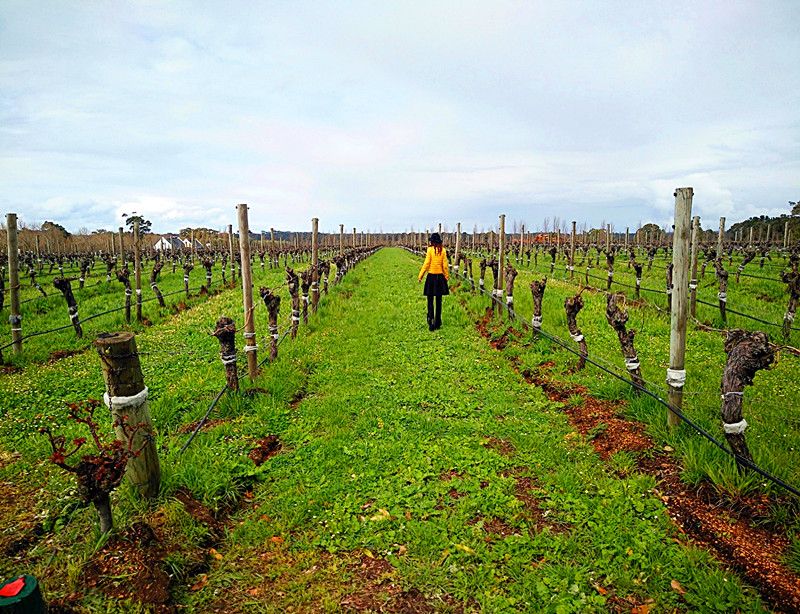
[435,241]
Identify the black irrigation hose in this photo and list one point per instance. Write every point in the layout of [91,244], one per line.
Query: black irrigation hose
[677,412]
[745,315]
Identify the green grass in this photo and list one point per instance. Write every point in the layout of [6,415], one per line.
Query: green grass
[98,295]
[774,423]
[408,446]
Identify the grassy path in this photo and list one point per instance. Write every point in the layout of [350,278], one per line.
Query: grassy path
[420,471]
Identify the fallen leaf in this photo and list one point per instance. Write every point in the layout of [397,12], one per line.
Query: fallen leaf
[466,549]
[264,518]
[201,584]
[645,608]
[676,586]
[408,515]
[369,553]
[276,539]
[601,590]
[215,554]
[254,592]
[381,515]
[669,449]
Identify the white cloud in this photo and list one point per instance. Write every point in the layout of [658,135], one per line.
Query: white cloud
[388,114]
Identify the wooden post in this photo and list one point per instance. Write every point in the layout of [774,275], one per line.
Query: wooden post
[693,280]
[126,397]
[250,347]
[786,235]
[676,375]
[354,236]
[720,237]
[627,233]
[750,242]
[608,237]
[521,242]
[13,282]
[341,239]
[501,242]
[122,260]
[137,263]
[458,247]
[230,249]
[314,264]
[572,252]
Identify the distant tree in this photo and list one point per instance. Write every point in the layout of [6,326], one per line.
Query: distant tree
[99,231]
[795,205]
[55,228]
[132,218]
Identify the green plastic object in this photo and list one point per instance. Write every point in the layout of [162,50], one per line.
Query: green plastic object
[21,597]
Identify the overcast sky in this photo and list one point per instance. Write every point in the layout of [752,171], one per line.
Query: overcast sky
[397,114]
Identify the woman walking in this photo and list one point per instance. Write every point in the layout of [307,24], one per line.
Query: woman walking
[436,281]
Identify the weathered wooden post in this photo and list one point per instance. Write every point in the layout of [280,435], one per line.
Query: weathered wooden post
[273,303]
[233,257]
[122,259]
[676,373]
[722,295]
[497,278]
[786,235]
[571,252]
[64,286]
[126,397]
[250,347]
[458,247]
[341,242]
[354,236]
[693,279]
[792,281]
[314,264]
[13,283]
[720,237]
[137,263]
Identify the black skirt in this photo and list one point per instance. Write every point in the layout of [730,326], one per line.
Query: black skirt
[435,285]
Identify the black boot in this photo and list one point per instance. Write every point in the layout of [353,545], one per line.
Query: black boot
[437,324]
[431,323]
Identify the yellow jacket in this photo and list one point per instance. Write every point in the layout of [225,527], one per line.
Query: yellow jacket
[435,264]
